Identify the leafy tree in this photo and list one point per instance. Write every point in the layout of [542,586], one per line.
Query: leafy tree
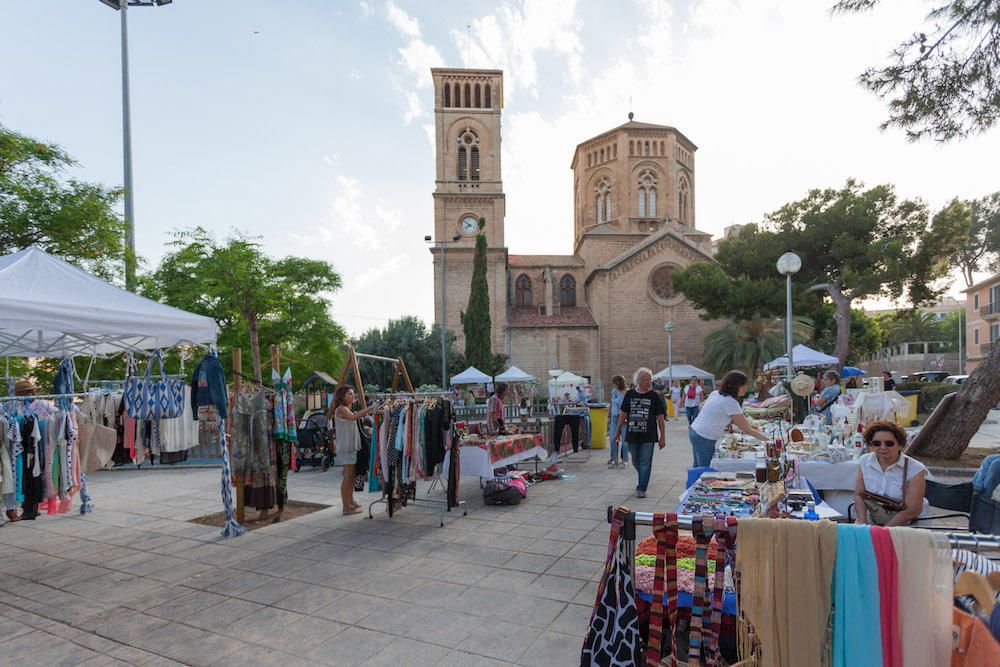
[941,82]
[749,344]
[980,249]
[867,334]
[252,296]
[950,328]
[476,319]
[407,337]
[854,243]
[40,205]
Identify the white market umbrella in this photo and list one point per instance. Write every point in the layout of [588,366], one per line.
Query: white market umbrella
[515,374]
[804,357]
[471,375]
[50,308]
[683,372]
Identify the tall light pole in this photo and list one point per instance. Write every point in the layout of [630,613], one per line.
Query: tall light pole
[669,328]
[788,265]
[444,354]
[122,6]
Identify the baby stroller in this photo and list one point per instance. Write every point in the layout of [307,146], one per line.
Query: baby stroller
[314,442]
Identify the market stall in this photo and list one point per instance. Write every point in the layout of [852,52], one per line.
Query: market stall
[804,356]
[54,309]
[481,456]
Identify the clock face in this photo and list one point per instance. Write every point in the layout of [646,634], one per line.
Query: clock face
[469,225]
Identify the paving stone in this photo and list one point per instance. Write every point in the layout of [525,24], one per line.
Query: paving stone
[501,640]
[351,608]
[273,591]
[553,649]
[524,562]
[352,646]
[403,651]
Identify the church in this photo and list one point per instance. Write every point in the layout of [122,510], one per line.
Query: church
[601,310]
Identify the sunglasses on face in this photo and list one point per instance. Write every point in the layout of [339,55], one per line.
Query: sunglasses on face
[882,443]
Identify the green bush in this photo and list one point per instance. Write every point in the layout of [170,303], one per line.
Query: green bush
[931,393]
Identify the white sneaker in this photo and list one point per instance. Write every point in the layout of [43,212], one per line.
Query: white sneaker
[612,464]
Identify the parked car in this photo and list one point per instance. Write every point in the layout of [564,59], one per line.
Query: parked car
[928,376]
[956,379]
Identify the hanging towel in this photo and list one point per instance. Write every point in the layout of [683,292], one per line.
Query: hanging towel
[924,562]
[857,639]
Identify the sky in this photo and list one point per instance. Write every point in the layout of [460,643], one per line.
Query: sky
[308,123]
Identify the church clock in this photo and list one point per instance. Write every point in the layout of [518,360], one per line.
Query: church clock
[469,225]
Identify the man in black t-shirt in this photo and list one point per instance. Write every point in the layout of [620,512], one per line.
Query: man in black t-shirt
[643,412]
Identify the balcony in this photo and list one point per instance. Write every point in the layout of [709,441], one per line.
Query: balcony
[990,311]
[986,348]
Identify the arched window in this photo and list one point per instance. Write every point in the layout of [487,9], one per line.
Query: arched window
[522,291]
[447,95]
[489,100]
[567,290]
[468,95]
[663,150]
[631,148]
[603,201]
[647,149]
[468,156]
[479,97]
[457,95]
[602,155]
[647,194]
[684,200]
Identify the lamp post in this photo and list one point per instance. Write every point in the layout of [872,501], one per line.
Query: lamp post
[788,265]
[122,6]
[669,328]
[444,355]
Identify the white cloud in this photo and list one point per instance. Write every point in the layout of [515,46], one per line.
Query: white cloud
[418,57]
[402,21]
[355,74]
[414,109]
[517,34]
[331,158]
[386,267]
[366,8]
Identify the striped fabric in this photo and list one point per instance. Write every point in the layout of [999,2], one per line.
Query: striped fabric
[718,588]
[700,580]
[654,649]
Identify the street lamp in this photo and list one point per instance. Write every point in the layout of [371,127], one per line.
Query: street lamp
[123,6]
[669,328]
[788,265]
[444,354]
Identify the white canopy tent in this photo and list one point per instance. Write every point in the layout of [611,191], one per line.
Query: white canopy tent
[471,375]
[683,372]
[568,378]
[515,374]
[49,308]
[804,357]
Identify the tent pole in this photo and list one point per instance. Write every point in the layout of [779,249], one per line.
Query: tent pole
[276,367]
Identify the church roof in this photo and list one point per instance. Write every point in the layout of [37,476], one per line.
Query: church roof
[570,316]
[649,240]
[545,260]
[635,125]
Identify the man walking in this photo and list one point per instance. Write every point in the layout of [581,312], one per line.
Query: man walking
[644,413]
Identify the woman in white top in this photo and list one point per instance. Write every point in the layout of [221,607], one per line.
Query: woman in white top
[691,399]
[717,413]
[675,397]
[882,471]
[348,441]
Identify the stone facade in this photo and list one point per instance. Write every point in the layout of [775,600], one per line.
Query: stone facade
[601,310]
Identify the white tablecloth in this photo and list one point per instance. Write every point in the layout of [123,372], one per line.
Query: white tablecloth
[474,460]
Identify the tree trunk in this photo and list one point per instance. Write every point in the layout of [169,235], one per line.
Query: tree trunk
[842,317]
[254,345]
[957,420]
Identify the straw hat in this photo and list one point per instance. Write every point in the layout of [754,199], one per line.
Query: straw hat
[802,385]
[24,386]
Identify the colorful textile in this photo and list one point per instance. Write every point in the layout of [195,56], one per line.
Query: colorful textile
[924,557]
[285,427]
[857,642]
[505,446]
[888,592]
[231,528]
[253,449]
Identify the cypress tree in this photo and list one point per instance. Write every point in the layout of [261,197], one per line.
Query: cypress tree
[476,319]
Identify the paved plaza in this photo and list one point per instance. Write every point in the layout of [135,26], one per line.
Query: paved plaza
[136,583]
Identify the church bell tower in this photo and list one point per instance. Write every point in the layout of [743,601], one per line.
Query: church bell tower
[468,187]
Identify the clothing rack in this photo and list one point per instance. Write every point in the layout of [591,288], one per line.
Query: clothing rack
[959,540]
[74,394]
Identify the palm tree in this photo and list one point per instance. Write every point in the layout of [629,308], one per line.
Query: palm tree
[913,326]
[748,344]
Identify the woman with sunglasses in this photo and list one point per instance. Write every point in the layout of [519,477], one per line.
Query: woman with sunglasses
[890,487]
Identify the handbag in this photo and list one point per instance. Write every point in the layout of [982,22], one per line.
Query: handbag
[148,398]
[881,509]
[613,637]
